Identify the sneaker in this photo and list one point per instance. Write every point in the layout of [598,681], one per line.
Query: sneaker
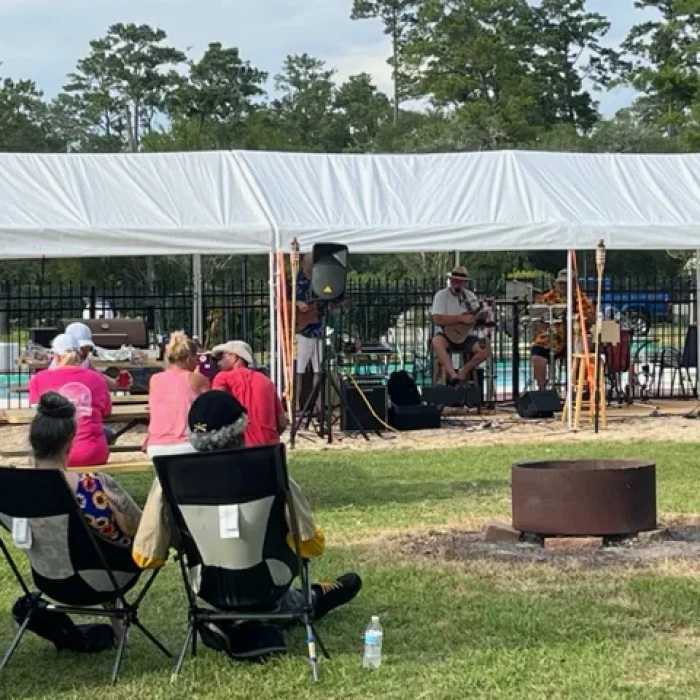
[329,596]
[243,641]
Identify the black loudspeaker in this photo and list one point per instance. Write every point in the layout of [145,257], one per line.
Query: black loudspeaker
[539,404]
[330,271]
[378,399]
[415,417]
[441,395]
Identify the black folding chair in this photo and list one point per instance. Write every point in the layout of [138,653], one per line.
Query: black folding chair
[244,572]
[70,563]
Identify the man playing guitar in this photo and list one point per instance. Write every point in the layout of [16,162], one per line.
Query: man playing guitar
[309,332]
[456,310]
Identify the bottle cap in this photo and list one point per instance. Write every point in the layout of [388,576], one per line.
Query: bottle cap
[375,618]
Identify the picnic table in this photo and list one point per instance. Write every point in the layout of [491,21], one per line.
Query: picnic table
[33,366]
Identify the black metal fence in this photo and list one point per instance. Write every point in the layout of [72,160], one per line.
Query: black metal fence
[395,315]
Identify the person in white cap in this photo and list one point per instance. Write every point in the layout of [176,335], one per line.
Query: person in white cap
[253,390]
[88,392]
[83,335]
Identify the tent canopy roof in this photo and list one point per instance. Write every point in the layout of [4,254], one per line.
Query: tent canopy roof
[252,201]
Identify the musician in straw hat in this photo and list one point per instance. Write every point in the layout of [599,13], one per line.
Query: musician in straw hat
[455,312]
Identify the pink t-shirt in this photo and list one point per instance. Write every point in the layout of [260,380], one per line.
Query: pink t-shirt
[87,389]
[170,396]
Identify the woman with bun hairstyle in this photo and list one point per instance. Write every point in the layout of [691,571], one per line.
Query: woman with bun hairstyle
[171,393]
[108,509]
[106,506]
[88,392]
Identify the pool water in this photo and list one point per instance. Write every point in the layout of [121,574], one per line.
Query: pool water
[8,381]
[502,383]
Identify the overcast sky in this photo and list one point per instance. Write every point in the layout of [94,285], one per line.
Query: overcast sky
[43,39]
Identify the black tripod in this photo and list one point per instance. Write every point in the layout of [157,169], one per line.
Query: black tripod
[325,381]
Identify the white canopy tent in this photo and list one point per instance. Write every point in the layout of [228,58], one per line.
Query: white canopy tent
[128,204]
[480,201]
[257,202]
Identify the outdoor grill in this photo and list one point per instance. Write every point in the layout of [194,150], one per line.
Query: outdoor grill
[606,498]
[113,333]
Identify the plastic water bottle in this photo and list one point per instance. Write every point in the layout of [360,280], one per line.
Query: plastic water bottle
[373,644]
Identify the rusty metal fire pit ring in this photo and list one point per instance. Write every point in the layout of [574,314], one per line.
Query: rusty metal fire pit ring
[584,498]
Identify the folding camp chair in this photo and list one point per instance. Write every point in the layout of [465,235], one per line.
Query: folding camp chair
[228,509]
[70,564]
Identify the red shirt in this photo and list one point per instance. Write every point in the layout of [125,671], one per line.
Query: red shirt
[257,394]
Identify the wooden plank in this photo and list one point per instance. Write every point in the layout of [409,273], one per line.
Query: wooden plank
[119,467]
[119,400]
[122,467]
[120,414]
[130,400]
[113,449]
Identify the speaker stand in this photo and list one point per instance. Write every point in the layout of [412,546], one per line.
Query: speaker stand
[321,388]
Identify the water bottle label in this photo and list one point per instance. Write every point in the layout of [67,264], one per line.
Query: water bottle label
[373,638]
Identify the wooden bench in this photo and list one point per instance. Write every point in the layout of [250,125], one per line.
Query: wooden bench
[25,451]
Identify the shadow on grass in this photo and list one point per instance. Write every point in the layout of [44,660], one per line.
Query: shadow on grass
[359,487]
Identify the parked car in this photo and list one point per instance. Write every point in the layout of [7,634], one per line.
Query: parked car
[636,310]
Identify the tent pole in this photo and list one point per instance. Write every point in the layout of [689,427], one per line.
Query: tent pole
[274,368]
[197,301]
[697,321]
[569,337]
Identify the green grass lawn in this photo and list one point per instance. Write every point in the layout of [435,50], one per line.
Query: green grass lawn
[476,629]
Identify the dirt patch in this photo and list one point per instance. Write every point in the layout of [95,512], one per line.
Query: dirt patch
[676,543]
[662,422]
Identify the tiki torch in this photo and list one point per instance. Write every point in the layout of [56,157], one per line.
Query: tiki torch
[294,264]
[600,268]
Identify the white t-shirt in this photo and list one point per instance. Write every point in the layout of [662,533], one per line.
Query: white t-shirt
[446,303]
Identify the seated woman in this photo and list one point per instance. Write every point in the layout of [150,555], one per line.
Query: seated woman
[171,394]
[107,508]
[217,421]
[88,392]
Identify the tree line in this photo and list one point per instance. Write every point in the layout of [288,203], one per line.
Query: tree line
[468,75]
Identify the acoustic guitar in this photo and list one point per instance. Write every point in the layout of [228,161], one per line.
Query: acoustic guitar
[305,318]
[482,313]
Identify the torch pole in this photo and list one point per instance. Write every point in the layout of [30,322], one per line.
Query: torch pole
[294,265]
[600,268]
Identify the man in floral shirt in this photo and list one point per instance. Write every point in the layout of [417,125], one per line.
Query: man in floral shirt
[540,349]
